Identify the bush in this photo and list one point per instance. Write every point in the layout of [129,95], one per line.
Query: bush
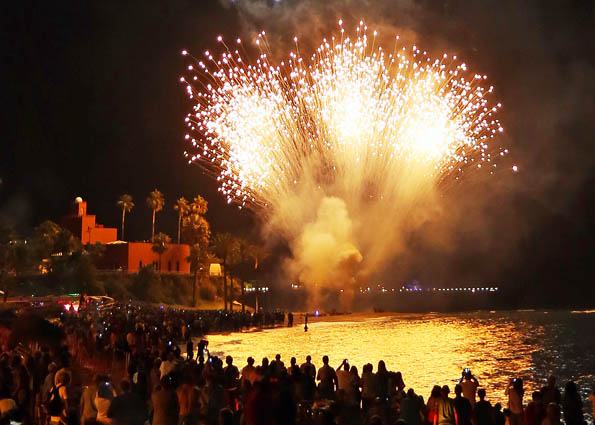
[144,284]
[117,285]
[32,328]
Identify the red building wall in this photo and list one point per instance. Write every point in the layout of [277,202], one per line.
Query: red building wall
[103,235]
[130,257]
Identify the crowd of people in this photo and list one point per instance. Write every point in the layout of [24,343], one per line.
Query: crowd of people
[133,366]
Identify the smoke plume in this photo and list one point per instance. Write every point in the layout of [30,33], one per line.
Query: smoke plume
[482,231]
[325,253]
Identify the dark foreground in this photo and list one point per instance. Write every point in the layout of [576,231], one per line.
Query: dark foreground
[124,365]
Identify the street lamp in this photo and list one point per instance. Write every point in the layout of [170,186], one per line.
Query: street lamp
[257,290]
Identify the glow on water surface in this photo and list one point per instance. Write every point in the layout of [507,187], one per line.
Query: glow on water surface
[434,348]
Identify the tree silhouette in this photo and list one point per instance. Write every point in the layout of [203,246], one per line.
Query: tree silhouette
[226,247]
[197,232]
[160,244]
[155,202]
[182,207]
[125,203]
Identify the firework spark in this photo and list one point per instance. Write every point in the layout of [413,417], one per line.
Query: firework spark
[374,128]
[352,115]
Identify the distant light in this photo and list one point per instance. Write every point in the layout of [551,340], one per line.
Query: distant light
[515,168]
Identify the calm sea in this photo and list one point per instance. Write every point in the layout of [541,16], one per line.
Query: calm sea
[434,348]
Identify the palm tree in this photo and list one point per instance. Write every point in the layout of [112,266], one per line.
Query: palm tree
[155,202]
[126,204]
[160,244]
[199,205]
[197,232]
[199,257]
[226,247]
[182,207]
[256,253]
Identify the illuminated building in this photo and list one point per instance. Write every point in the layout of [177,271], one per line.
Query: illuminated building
[85,227]
[124,256]
[132,256]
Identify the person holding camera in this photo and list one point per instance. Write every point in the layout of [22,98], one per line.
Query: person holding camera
[515,393]
[469,384]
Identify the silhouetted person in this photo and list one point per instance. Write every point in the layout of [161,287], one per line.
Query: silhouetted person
[383,378]
[308,367]
[446,408]
[572,405]
[550,393]
[499,418]
[187,399]
[515,393]
[411,408]
[534,412]
[249,374]
[552,415]
[88,410]
[127,408]
[277,366]
[231,374]
[483,409]
[469,383]
[292,365]
[258,405]
[462,407]
[432,405]
[369,385]
[165,404]
[328,379]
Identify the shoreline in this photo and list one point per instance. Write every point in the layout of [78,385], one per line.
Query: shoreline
[299,317]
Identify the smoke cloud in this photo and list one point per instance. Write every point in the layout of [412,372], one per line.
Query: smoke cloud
[325,253]
[342,234]
[488,230]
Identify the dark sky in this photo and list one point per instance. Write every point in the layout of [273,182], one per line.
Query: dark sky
[93,108]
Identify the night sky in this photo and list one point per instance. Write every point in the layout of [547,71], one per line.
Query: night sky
[93,108]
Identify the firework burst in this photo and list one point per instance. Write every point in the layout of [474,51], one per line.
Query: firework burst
[354,120]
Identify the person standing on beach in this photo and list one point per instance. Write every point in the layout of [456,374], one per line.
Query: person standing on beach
[308,368]
[328,379]
[515,393]
[469,384]
[446,409]
[550,393]
[462,407]
[572,405]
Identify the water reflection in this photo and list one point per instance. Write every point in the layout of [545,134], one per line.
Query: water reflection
[434,348]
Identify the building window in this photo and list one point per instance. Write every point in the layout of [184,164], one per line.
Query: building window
[140,264]
[169,266]
[177,266]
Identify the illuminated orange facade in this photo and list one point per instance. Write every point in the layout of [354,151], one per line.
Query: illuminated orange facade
[119,255]
[86,228]
[131,256]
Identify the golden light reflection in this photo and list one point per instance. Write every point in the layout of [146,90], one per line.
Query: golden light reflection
[426,349]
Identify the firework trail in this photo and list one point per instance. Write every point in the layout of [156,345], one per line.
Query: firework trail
[341,148]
